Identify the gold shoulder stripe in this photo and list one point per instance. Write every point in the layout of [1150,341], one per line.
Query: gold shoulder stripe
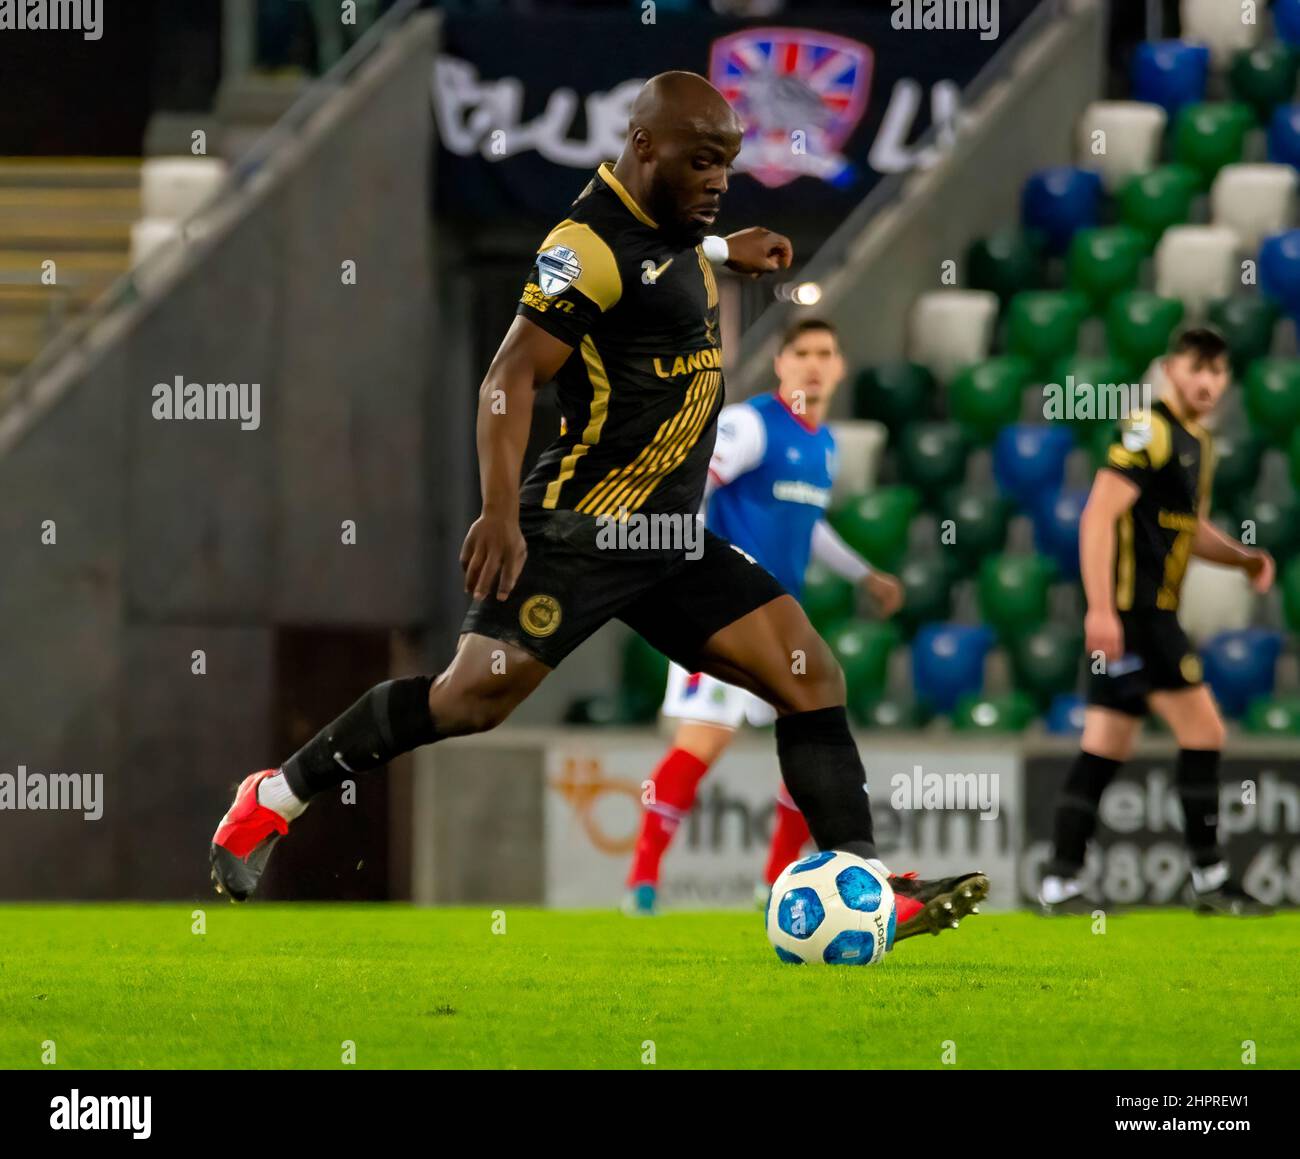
[600,280]
[1161,445]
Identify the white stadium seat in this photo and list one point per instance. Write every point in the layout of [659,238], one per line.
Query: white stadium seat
[152,234]
[950,329]
[1133,132]
[1255,201]
[859,444]
[1197,263]
[171,188]
[1220,24]
[1214,599]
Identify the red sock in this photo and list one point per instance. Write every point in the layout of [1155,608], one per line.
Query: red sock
[675,782]
[789,834]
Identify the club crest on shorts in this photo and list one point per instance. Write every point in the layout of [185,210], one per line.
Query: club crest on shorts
[540,615]
[557,269]
[1190,667]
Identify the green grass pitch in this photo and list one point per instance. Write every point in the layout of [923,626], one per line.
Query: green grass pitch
[130,986]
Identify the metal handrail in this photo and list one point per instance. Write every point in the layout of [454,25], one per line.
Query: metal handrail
[125,290]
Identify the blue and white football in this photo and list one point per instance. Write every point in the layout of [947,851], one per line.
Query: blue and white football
[831,908]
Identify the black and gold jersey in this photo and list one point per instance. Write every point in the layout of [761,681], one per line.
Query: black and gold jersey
[1172,463]
[641,392]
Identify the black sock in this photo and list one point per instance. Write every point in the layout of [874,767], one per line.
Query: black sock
[823,772]
[391,719]
[1076,811]
[1198,788]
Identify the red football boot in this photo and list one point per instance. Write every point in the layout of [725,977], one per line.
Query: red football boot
[926,907]
[244,840]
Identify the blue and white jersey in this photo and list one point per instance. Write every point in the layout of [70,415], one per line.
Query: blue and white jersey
[770,485]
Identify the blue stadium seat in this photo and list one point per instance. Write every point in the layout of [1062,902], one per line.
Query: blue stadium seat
[1240,667]
[1284,136]
[1065,714]
[1170,73]
[1279,270]
[1056,528]
[1059,202]
[1029,459]
[948,663]
[1286,20]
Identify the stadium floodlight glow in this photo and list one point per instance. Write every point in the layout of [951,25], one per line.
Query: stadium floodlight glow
[806,294]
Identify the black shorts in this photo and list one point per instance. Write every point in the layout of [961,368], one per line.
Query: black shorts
[1158,657]
[570,587]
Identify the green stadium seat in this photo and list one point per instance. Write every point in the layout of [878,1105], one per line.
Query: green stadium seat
[894,393]
[1247,322]
[1276,519]
[1097,440]
[1208,136]
[1105,262]
[645,673]
[828,599]
[1006,262]
[862,648]
[986,397]
[889,713]
[1273,398]
[1043,326]
[979,519]
[1013,592]
[1277,715]
[1099,373]
[932,456]
[876,524]
[927,585]
[1237,457]
[1290,584]
[1139,325]
[1264,77]
[1045,662]
[1152,202]
[1011,712]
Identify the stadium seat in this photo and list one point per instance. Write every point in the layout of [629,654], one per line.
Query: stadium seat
[1254,201]
[1045,662]
[1013,591]
[1152,202]
[927,586]
[1010,712]
[1097,439]
[1246,322]
[978,518]
[1029,458]
[876,524]
[1043,326]
[931,457]
[894,393]
[645,672]
[1264,77]
[1084,378]
[948,663]
[1065,714]
[986,397]
[1276,521]
[1286,21]
[1237,456]
[1240,667]
[1060,202]
[1219,25]
[1105,262]
[1196,264]
[1279,270]
[1170,73]
[862,648]
[1139,325]
[827,598]
[1290,584]
[1006,262]
[151,235]
[1130,135]
[172,188]
[1056,528]
[1214,599]
[1273,398]
[950,329]
[1273,715]
[890,713]
[859,445]
[1208,136]
[1284,135]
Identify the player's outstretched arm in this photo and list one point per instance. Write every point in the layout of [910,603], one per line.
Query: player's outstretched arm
[493,553]
[1213,545]
[1111,496]
[756,251]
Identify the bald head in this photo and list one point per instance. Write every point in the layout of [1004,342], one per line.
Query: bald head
[682,138]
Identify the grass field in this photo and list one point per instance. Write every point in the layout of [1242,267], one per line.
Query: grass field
[125,986]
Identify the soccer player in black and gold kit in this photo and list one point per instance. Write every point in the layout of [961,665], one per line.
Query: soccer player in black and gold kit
[1146,515]
[621,311]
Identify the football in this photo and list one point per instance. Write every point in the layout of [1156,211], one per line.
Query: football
[831,908]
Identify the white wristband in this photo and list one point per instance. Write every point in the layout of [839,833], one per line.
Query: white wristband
[716,249]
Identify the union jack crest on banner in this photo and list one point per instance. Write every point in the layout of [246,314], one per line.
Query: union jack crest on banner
[784,81]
